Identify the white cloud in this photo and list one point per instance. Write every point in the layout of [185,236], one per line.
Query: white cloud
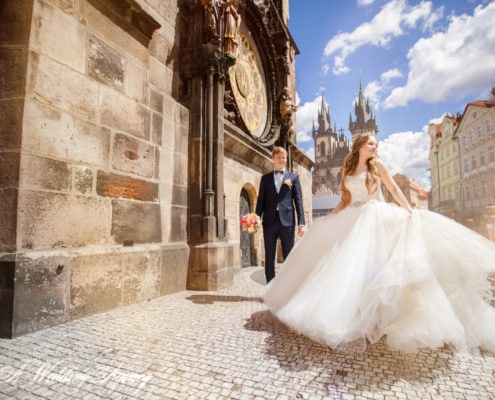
[372,93]
[374,89]
[453,64]
[386,25]
[365,2]
[310,153]
[305,116]
[437,120]
[387,76]
[303,136]
[407,153]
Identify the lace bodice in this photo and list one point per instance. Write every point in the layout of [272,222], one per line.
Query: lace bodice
[359,192]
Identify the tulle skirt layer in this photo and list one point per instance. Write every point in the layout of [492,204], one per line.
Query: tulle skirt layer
[420,280]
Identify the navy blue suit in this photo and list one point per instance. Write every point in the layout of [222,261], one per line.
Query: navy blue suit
[278,212]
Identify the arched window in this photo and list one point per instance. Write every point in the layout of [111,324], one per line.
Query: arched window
[322,149]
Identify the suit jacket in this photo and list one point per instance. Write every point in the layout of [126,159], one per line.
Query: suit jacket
[288,200]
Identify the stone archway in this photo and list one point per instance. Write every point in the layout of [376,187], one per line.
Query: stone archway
[248,249]
[244,238]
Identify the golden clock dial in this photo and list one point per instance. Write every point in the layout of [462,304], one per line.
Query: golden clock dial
[248,87]
[341,143]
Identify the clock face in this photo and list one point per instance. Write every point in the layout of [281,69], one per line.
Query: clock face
[248,87]
[341,143]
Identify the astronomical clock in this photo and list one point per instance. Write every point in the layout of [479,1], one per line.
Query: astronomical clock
[249,86]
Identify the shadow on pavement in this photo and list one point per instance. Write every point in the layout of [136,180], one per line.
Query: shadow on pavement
[212,298]
[258,276]
[349,362]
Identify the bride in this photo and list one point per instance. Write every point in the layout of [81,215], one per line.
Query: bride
[372,269]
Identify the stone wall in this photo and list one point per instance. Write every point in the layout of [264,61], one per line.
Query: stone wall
[96,150]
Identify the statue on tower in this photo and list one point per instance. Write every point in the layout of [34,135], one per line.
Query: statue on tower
[232,20]
[212,10]
[287,110]
[287,107]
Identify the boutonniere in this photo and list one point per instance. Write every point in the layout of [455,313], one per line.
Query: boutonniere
[288,182]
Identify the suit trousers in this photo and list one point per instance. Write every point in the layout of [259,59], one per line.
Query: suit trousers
[270,235]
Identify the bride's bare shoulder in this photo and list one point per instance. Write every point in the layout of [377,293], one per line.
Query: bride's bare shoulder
[380,166]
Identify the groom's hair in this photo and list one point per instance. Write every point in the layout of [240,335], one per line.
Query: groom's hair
[278,149]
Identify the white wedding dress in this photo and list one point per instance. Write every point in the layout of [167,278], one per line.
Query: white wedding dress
[373,270]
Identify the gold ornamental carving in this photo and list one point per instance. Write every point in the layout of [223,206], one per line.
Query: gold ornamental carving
[249,88]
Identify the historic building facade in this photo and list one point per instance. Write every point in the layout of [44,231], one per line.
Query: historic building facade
[415,194]
[330,150]
[445,171]
[462,158]
[475,136]
[331,146]
[434,134]
[133,135]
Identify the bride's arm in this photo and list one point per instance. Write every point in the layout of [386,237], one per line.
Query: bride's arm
[337,208]
[392,186]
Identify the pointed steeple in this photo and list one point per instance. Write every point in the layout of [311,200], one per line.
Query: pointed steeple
[365,122]
[324,120]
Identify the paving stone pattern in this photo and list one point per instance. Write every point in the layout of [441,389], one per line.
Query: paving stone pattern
[222,345]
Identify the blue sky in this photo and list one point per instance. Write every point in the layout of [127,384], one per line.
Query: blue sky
[417,60]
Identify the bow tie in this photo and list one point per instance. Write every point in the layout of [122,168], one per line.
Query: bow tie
[278,172]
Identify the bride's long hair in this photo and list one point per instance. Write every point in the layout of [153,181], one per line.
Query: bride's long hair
[350,164]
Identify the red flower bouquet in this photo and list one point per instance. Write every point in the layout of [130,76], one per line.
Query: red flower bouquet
[250,223]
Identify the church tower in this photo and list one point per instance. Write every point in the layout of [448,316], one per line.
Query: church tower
[330,150]
[365,121]
[331,147]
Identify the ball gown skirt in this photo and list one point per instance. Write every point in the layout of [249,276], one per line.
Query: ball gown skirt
[374,270]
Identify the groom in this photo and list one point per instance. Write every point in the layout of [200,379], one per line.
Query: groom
[279,195]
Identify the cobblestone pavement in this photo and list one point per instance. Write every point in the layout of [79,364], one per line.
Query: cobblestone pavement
[222,345]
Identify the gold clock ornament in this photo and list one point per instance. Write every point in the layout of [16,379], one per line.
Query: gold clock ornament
[249,87]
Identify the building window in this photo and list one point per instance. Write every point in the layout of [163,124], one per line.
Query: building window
[491,154]
[469,193]
[466,164]
[482,158]
[449,171]
[477,190]
[473,161]
[322,148]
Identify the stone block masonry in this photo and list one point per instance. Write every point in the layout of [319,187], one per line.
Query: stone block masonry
[81,142]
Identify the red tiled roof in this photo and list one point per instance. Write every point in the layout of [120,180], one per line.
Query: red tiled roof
[481,103]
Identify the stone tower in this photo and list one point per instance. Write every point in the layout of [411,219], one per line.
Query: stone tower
[365,121]
[132,134]
[331,147]
[330,150]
